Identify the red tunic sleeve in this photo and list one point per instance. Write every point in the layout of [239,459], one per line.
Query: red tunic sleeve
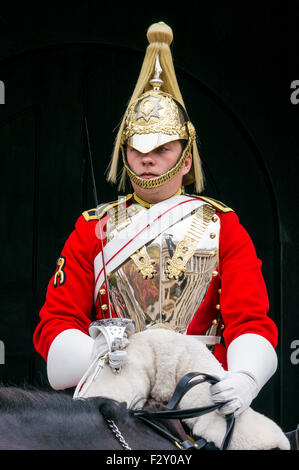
[238,290]
[243,298]
[69,299]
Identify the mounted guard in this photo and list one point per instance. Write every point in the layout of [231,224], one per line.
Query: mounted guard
[158,257]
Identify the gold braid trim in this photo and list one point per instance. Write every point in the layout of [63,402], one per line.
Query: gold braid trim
[185,249]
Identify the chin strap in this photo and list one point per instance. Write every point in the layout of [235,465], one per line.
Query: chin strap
[110,340]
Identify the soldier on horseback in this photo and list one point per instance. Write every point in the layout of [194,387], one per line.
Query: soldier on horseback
[160,256]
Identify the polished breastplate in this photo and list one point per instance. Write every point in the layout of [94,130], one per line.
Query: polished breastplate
[166,280]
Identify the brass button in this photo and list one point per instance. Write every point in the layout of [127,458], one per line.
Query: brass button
[214,218]
[215,273]
[104,307]
[131,210]
[212,235]
[102,291]
[215,322]
[218,307]
[219,291]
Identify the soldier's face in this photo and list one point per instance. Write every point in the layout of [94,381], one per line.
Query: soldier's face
[156,163]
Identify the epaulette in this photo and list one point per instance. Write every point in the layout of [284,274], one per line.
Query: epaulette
[102,209]
[90,215]
[218,204]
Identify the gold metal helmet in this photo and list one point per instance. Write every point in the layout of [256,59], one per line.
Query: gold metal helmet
[156,115]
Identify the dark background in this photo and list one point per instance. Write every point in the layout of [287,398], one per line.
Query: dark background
[60,61]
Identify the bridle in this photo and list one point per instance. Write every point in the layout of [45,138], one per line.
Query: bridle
[152,417]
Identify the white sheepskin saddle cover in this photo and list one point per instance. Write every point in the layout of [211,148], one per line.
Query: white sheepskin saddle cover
[156,360]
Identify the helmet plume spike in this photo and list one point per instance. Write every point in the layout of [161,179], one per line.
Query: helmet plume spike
[157,82]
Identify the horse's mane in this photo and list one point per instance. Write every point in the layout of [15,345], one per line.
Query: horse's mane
[29,398]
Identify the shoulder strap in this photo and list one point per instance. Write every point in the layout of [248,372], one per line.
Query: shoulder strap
[102,209]
[218,204]
[90,215]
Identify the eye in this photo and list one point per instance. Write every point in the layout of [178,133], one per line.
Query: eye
[131,151]
[162,148]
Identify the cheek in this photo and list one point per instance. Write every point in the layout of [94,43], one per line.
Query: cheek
[173,160]
[130,159]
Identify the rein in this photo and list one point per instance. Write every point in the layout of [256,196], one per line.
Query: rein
[171,412]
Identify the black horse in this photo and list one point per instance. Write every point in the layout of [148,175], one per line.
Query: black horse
[41,420]
[32,419]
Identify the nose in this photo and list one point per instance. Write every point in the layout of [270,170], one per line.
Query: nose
[147,158]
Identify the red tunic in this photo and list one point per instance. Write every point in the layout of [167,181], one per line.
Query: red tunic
[238,290]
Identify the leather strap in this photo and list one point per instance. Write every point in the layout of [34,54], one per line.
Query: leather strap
[182,387]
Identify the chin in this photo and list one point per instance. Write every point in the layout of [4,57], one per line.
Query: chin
[139,189]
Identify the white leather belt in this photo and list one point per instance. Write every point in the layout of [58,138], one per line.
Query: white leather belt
[207,339]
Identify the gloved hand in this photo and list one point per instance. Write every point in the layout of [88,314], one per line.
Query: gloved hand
[116,353]
[100,347]
[236,388]
[111,338]
[251,361]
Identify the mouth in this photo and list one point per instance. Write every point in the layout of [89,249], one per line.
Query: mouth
[148,175]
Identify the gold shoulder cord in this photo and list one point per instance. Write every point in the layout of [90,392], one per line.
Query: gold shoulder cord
[186,248]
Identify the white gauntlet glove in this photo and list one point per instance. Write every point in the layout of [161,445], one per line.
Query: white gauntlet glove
[110,338]
[68,358]
[251,362]
[100,347]
[238,388]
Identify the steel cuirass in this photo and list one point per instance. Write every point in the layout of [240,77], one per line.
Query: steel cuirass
[165,280]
